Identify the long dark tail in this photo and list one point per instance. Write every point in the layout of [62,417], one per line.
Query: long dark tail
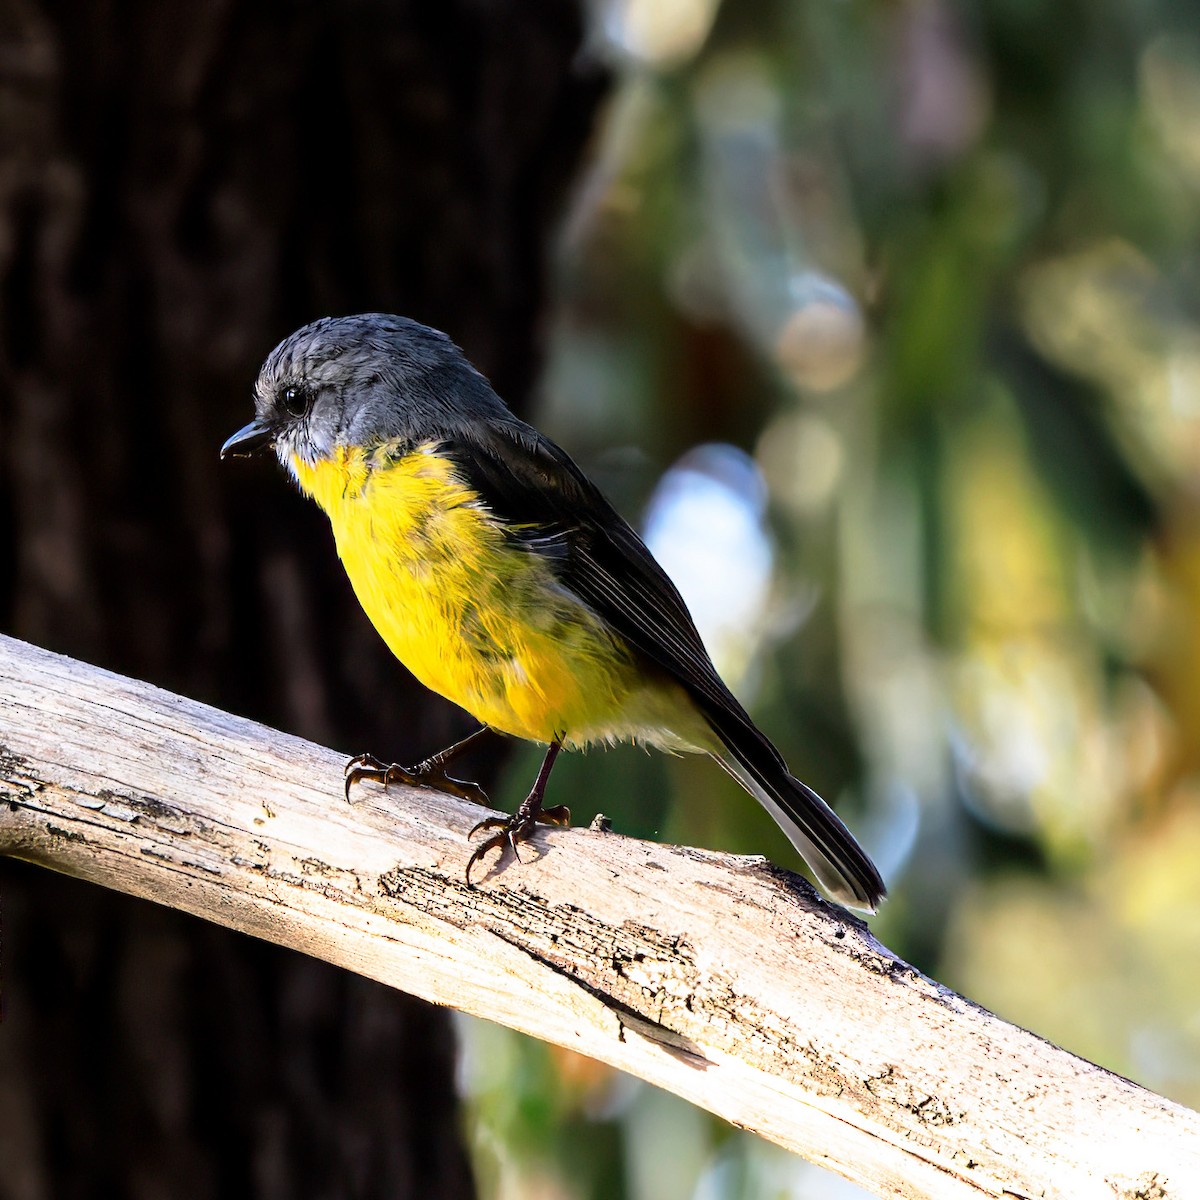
[838,861]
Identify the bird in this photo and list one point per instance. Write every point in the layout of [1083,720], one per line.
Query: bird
[498,573]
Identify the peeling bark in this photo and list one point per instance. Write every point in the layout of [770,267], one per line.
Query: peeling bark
[725,980]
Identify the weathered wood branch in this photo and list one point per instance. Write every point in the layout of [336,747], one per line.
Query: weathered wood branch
[722,979]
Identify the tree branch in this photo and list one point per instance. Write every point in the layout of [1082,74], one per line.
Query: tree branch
[722,979]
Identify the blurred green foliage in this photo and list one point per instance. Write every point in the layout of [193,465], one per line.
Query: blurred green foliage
[934,267]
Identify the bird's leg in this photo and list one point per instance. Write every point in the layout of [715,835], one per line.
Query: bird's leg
[430,772]
[528,815]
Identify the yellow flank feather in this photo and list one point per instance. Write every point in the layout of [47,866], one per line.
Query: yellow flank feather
[480,620]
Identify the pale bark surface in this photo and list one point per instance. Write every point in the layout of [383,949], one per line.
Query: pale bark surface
[722,979]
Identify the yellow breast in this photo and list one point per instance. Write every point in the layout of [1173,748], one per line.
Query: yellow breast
[477,619]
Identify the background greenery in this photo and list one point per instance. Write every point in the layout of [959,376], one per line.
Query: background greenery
[883,320]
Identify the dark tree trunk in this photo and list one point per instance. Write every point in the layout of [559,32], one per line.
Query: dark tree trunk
[180,186]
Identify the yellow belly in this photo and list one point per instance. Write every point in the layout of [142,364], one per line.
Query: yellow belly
[480,621]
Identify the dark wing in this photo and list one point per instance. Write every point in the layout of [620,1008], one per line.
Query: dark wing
[534,485]
[549,505]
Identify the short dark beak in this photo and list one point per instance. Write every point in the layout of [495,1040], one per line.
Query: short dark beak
[248,440]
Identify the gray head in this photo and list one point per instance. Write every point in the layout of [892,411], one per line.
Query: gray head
[362,381]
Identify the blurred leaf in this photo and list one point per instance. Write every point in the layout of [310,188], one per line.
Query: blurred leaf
[1072,443]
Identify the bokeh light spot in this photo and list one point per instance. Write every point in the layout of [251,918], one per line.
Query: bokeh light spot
[704,524]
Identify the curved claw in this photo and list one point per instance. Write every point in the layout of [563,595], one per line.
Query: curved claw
[363,766]
[513,830]
[488,823]
[509,836]
[490,844]
[430,774]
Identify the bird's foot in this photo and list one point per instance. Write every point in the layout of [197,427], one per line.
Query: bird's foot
[517,828]
[430,773]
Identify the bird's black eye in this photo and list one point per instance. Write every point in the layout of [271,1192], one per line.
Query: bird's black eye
[294,401]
